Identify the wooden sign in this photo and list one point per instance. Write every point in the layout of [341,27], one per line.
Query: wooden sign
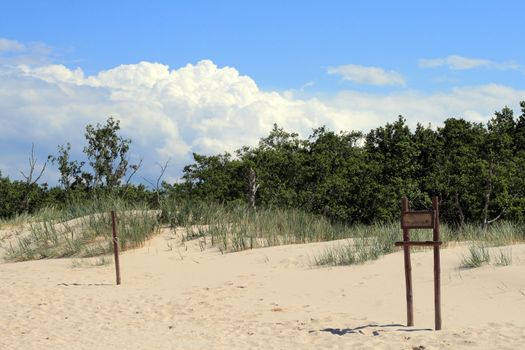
[417,219]
[421,219]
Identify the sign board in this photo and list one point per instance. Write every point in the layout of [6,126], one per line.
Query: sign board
[417,219]
[421,219]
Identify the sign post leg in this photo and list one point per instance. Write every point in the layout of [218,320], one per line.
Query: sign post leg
[408,269]
[437,268]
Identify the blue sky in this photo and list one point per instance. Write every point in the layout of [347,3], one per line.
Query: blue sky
[280,44]
[346,64]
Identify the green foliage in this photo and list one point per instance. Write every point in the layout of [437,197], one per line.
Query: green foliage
[71,175]
[475,169]
[214,178]
[279,162]
[17,197]
[107,154]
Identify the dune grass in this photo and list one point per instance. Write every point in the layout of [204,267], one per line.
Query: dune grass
[504,257]
[368,242]
[483,244]
[481,254]
[237,227]
[82,229]
[371,242]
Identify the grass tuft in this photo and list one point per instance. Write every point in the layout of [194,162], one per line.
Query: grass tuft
[478,255]
[504,258]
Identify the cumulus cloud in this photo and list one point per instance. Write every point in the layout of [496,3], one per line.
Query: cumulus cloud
[463,63]
[54,73]
[203,108]
[367,75]
[168,113]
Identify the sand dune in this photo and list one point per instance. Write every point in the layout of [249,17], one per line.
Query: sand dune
[176,296]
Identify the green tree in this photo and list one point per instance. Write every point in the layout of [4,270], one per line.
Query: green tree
[460,164]
[429,151]
[335,175]
[279,161]
[498,166]
[392,154]
[71,174]
[107,153]
[216,178]
[11,194]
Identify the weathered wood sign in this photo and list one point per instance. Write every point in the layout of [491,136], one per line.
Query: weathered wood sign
[417,219]
[421,219]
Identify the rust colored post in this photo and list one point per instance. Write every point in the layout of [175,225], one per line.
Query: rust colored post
[115,245]
[437,267]
[408,267]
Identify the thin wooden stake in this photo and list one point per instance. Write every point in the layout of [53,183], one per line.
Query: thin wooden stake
[408,268]
[437,270]
[115,245]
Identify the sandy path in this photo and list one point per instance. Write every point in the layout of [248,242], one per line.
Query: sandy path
[182,298]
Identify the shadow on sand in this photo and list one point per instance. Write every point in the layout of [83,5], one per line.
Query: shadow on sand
[377,329]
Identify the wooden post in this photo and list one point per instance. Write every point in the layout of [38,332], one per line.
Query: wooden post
[408,267]
[115,245]
[421,219]
[437,270]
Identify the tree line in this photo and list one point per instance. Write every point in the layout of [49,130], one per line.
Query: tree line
[475,168]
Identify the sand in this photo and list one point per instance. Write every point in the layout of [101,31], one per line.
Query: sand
[176,296]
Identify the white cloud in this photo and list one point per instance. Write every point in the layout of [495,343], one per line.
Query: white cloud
[462,63]
[54,73]
[169,113]
[367,75]
[7,45]
[474,103]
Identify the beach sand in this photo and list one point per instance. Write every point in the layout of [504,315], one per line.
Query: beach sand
[175,296]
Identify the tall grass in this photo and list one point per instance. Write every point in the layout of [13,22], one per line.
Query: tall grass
[481,249]
[237,227]
[496,234]
[481,254]
[83,229]
[368,243]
